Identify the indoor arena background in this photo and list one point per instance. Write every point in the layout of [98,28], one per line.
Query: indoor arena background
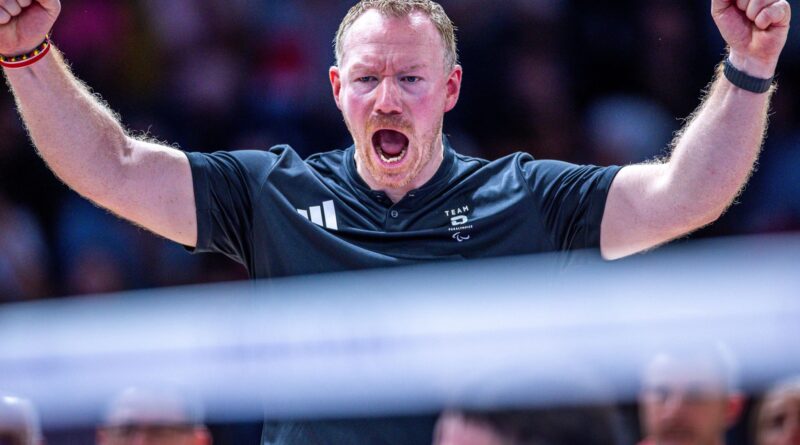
[580,81]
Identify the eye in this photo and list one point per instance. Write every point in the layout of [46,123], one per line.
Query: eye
[411,79]
[366,79]
[660,394]
[777,422]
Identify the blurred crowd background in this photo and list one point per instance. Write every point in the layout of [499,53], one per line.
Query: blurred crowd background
[576,80]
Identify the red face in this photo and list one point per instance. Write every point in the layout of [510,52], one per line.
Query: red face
[393,89]
[455,429]
[779,419]
[685,404]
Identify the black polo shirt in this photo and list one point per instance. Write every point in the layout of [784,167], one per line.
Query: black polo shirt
[280,215]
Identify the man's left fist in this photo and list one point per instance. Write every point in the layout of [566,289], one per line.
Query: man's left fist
[755,31]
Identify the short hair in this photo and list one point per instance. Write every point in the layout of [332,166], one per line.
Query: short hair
[164,405]
[402,8]
[717,355]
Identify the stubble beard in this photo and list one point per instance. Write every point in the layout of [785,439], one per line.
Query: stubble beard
[400,180]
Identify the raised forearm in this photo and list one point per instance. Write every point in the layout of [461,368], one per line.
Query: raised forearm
[649,204]
[82,140]
[715,153]
[78,136]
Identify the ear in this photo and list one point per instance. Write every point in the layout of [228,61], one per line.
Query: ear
[453,88]
[336,84]
[734,408]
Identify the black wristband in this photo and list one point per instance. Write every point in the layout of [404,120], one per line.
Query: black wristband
[746,81]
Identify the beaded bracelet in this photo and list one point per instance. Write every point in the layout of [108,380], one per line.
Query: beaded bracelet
[24,60]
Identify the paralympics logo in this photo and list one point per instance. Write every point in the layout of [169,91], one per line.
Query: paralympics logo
[458,237]
[459,220]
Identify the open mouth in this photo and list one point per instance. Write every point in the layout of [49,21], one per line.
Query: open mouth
[390,145]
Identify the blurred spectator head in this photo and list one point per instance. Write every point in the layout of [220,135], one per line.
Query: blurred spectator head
[153,417]
[777,418]
[19,422]
[689,397]
[23,254]
[563,426]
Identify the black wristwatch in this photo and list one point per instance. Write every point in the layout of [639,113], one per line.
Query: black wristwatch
[746,81]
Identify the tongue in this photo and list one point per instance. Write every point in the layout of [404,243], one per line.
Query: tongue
[391,142]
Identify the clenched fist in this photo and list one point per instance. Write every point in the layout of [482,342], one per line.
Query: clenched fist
[755,31]
[24,23]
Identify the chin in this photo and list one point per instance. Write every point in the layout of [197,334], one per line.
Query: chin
[391,181]
[395,175]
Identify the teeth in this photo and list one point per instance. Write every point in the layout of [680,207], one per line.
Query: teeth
[393,159]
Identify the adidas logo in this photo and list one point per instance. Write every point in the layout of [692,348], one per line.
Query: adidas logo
[315,213]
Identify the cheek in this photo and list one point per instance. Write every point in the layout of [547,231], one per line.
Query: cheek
[430,108]
[710,417]
[353,109]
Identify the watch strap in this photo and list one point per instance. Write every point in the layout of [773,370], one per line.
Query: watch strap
[746,81]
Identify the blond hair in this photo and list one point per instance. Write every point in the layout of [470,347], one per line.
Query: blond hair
[402,8]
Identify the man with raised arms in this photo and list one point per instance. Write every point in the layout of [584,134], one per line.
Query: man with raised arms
[401,193]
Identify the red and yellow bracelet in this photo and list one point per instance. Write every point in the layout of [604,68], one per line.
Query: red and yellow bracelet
[24,60]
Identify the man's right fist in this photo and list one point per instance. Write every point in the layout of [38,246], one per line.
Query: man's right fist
[24,24]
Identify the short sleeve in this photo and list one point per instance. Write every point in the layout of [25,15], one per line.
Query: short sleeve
[570,198]
[226,185]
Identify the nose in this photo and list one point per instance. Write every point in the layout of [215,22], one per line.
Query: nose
[387,99]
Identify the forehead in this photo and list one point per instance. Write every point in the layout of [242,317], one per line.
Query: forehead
[784,401]
[374,37]
[695,373]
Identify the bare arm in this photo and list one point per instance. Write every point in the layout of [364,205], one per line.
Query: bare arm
[714,155]
[83,142]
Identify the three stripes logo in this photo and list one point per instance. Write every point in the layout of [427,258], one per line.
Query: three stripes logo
[315,215]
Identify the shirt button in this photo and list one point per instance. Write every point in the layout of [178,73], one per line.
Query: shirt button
[395,213]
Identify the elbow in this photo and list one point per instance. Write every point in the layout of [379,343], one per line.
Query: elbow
[710,212]
[658,230]
[714,215]
[694,220]
[99,183]
[703,218]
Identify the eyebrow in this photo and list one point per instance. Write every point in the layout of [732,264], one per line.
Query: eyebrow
[367,66]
